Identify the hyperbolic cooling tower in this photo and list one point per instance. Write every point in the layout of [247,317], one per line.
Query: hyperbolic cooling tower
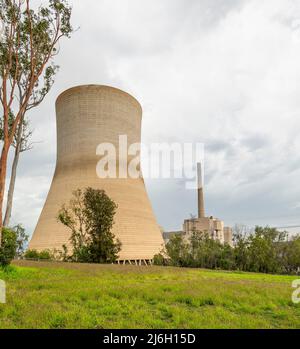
[87,116]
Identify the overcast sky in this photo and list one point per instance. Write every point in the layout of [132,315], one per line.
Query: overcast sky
[222,72]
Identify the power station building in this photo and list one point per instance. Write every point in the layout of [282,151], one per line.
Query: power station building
[214,227]
[211,225]
[87,116]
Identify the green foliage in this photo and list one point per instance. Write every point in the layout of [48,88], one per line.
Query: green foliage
[59,255]
[42,255]
[22,239]
[45,254]
[31,254]
[159,259]
[13,244]
[8,246]
[29,44]
[241,243]
[23,142]
[9,124]
[177,251]
[90,217]
[290,254]
[265,250]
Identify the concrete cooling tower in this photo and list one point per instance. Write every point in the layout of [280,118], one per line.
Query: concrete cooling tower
[87,116]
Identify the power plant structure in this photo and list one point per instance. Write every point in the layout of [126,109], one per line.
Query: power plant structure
[211,225]
[202,224]
[87,116]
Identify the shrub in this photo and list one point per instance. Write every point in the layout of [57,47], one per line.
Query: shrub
[60,255]
[34,254]
[8,246]
[31,254]
[45,254]
[159,259]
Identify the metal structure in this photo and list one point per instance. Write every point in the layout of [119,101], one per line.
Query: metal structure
[86,117]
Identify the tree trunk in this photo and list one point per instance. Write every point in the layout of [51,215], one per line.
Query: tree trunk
[13,176]
[3,168]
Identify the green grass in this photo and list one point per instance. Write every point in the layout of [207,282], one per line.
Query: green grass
[61,295]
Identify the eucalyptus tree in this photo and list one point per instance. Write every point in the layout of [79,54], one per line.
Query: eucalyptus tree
[29,42]
[21,144]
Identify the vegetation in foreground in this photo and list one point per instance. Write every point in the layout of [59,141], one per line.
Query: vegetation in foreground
[69,295]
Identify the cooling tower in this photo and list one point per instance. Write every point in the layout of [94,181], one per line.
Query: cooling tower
[87,116]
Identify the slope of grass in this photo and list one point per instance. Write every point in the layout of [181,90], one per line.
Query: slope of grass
[59,295]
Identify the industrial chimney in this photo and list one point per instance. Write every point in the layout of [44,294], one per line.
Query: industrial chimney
[201,211]
[87,116]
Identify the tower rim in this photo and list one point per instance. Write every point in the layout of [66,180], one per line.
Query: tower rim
[96,86]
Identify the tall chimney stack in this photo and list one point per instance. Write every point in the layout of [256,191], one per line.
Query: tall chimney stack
[201,212]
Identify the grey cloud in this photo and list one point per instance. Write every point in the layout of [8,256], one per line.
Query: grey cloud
[217,145]
[256,141]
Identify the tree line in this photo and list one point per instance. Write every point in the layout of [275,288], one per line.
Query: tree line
[264,250]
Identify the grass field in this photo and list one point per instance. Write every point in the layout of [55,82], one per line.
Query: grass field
[61,295]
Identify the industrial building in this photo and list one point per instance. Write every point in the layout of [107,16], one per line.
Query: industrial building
[203,224]
[86,117]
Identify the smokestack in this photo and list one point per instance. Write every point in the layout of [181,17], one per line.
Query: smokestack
[201,212]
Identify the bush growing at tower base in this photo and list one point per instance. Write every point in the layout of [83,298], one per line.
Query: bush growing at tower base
[31,254]
[42,255]
[90,217]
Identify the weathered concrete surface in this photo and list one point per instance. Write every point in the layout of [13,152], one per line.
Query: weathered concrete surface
[87,116]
